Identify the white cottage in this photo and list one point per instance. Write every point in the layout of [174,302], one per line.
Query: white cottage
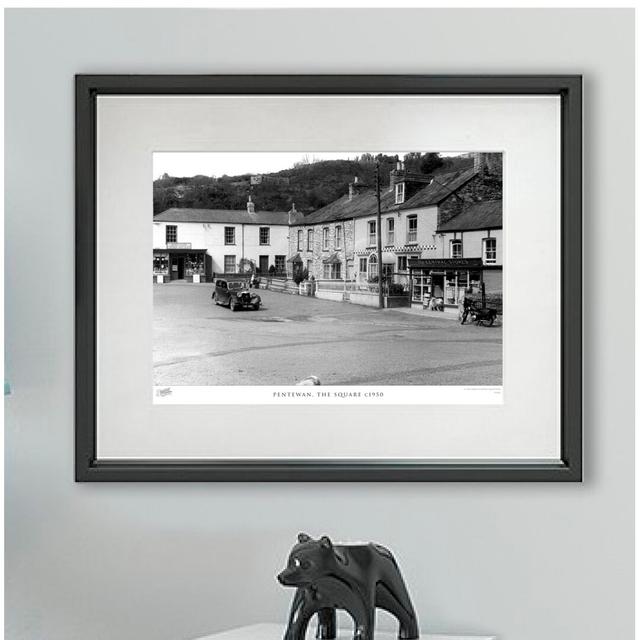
[195,244]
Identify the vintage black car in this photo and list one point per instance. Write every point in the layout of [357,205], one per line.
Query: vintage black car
[235,294]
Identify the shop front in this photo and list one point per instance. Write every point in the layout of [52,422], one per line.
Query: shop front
[446,278]
[189,265]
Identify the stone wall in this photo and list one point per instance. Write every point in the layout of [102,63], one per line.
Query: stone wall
[318,253]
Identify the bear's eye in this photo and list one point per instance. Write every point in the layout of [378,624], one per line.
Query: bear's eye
[301,564]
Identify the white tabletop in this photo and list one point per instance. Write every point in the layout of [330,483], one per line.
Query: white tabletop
[276,631]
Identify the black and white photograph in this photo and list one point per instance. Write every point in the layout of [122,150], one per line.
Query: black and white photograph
[366,269]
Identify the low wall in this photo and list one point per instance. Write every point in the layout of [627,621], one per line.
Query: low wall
[365,298]
[281,285]
[393,302]
[323,294]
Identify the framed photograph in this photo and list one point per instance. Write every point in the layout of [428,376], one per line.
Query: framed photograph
[328,278]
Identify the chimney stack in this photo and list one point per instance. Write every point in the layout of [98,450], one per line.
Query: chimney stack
[292,213]
[251,207]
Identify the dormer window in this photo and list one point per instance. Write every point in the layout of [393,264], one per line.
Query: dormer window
[400,193]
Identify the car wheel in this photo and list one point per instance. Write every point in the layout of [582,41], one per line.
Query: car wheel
[232,305]
[256,306]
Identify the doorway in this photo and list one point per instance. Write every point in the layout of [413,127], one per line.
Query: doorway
[177,268]
[263,265]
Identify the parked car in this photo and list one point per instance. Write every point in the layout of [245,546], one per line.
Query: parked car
[235,294]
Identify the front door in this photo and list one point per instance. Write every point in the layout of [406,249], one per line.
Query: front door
[177,268]
[263,264]
[437,290]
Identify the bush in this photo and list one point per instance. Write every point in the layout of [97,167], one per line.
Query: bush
[300,276]
[272,270]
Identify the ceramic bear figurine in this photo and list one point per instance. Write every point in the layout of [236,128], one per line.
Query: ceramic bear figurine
[356,577]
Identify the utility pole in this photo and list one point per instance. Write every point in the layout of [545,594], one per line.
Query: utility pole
[379,238]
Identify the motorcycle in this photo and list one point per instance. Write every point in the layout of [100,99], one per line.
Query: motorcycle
[479,315]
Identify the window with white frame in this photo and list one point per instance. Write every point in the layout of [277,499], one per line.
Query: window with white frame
[489,251]
[331,271]
[363,265]
[372,233]
[309,239]
[300,239]
[455,248]
[171,233]
[402,263]
[400,193]
[338,237]
[373,266]
[280,263]
[391,231]
[229,264]
[412,229]
[229,236]
[325,239]
[265,234]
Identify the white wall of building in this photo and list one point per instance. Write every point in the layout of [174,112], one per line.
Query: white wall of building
[424,245]
[472,245]
[211,236]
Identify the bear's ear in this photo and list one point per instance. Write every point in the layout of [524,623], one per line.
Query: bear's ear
[303,537]
[325,542]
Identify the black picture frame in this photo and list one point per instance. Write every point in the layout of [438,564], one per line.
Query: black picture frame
[89,468]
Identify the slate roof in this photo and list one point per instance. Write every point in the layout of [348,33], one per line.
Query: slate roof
[364,203]
[232,216]
[480,215]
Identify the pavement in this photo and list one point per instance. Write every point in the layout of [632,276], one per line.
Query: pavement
[199,343]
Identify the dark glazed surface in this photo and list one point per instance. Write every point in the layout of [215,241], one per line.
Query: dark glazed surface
[357,578]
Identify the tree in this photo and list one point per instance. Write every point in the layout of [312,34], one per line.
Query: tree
[430,162]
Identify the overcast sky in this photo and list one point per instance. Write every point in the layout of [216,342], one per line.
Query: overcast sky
[231,163]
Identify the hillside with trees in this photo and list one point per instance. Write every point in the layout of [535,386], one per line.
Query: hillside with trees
[309,184]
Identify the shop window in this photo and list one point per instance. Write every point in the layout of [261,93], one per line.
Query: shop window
[160,264]
[309,239]
[489,253]
[455,249]
[229,235]
[171,231]
[265,235]
[412,229]
[230,264]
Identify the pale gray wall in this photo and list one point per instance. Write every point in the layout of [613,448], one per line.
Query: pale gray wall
[169,561]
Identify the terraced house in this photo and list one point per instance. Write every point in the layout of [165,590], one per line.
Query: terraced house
[423,217]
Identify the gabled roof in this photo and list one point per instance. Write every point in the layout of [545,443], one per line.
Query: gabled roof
[364,203]
[232,216]
[439,189]
[480,215]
